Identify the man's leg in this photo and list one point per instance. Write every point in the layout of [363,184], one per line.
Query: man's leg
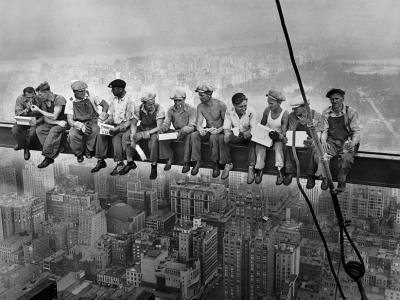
[346,160]
[31,136]
[153,147]
[51,147]
[261,152]
[290,167]
[92,138]
[101,152]
[196,140]
[76,141]
[42,131]
[19,133]
[279,161]
[214,142]
[123,141]
[187,148]
[225,154]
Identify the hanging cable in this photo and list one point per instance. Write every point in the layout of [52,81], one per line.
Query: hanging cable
[354,269]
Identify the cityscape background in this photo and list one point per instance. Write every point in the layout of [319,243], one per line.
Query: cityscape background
[195,237]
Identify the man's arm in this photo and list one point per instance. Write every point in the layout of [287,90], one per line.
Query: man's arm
[199,118]
[222,106]
[355,128]
[167,122]
[133,128]
[160,117]
[285,121]
[227,123]
[20,109]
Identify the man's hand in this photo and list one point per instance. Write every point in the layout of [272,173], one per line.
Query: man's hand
[348,146]
[145,135]
[62,123]
[214,130]
[133,143]
[103,116]
[137,137]
[34,107]
[247,135]
[325,146]
[227,136]
[203,132]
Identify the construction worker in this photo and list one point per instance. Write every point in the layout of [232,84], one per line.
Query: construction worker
[120,113]
[151,116]
[82,115]
[50,133]
[341,136]
[298,121]
[213,111]
[183,119]
[276,118]
[25,135]
[239,120]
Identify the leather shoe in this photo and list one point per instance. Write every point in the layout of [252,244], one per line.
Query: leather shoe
[216,171]
[250,175]
[100,165]
[88,154]
[80,158]
[196,168]
[17,147]
[117,169]
[168,165]
[45,163]
[186,168]
[259,175]
[127,168]
[341,187]
[279,178]
[310,182]
[225,172]
[287,180]
[153,173]
[324,184]
[27,154]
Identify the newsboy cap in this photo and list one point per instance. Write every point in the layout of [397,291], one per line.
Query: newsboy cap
[178,94]
[79,86]
[204,88]
[297,102]
[335,91]
[147,96]
[117,83]
[44,86]
[275,95]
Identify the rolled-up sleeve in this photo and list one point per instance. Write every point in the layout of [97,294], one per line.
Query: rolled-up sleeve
[160,113]
[354,124]
[19,106]
[69,108]
[136,112]
[227,121]
[167,122]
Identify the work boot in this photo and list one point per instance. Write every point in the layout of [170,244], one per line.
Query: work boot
[27,154]
[250,175]
[153,173]
[216,170]
[45,163]
[225,172]
[100,165]
[341,187]
[259,175]
[88,154]
[196,168]
[117,168]
[129,166]
[288,179]
[17,147]
[310,182]
[279,178]
[185,168]
[80,158]
[168,165]
[324,184]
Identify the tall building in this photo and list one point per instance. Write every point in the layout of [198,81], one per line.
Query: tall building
[287,262]
[92,225]
[68,202]
[144,199]
[121,184]
[20,213]
[121,249]
[193,199]
[8,180]
[37,181]
[36,249]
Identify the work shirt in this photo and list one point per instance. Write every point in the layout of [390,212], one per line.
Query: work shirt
[180,118]
[245,123]
[351,121]
[148,120]
[121,110]
[57,100]
[22,103]
[317,117]
[94,100]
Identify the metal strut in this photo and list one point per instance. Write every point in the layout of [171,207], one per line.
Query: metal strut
[354,269]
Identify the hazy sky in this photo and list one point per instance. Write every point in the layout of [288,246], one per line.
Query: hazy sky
[32,29]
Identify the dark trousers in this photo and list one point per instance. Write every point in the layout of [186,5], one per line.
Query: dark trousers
[151,143]
[79,142]
[24,135]
[50,137]
[217,146]
[239,140]
[312,159]
[166,149]
[118,146]
[345,158]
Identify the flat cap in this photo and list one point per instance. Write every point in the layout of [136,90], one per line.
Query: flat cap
[335,91]
[147,96]
[44,86]
[79,86]
[117,83]
[275,95]
[178,94]
[204,88]
[297,102]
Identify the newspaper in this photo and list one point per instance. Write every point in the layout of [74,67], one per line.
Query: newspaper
[27,121]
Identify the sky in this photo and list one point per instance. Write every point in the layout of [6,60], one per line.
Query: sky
[40,28]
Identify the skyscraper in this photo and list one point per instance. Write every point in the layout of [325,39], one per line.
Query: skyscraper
[37,181]
[287,262]
[8,180]
[92,225]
